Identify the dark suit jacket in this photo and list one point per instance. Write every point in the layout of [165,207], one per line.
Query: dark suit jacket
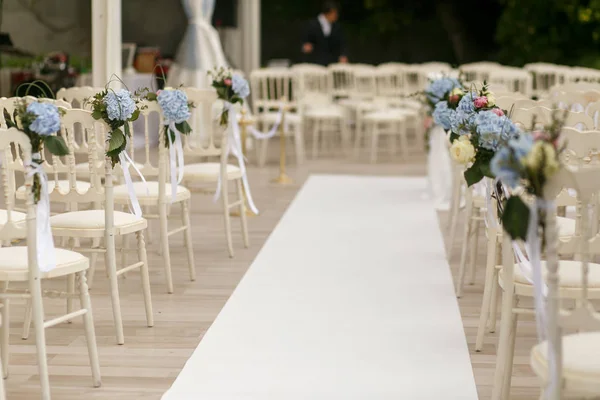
[326,50]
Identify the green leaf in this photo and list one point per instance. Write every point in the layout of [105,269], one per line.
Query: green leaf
[116,141]
[473,174]
[515,218]
[127,130]
[135,115]
[56,145]
[8,119]
[453,137]
[151,96]
[97,114]
[184,127]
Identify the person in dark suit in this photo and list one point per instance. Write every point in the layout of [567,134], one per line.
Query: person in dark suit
[323,41]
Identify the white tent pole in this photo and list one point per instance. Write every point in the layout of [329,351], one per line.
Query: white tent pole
[250,26]
[106,41]
[256,37]
[99,39]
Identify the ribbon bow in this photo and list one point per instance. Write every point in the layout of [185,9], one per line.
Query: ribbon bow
[125,161]
[46,255]
[175,157]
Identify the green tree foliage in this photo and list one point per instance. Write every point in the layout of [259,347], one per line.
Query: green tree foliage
[558,31]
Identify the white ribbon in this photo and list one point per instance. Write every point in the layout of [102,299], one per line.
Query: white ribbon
[175,158]
[125,161]
[46,255]
[262,136]
[234,146]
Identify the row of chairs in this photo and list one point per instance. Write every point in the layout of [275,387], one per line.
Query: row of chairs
[86,194]
[505,277]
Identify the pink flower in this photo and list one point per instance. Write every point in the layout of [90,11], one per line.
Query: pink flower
[480,102]
[453,99]
[498,112]
[540,135]
[227,82]
[427,122]
[158,92]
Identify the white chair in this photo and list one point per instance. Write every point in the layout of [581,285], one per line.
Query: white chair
[390,80]
[391,123]
[213,144]
[272,88]
[311,78]
[157,194]
[20,265]
[341,80]
[576,354]
[98,224]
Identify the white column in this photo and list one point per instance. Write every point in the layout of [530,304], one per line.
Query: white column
[250,27]
[106,42]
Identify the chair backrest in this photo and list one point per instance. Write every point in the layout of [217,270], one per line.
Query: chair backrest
[311,78]
[341,80]
[593,111]
[389,80]
[9,104]
[580,146]
[100,170]
[365,86]
[270,86]
[77,96]
[524,118]
[203,142]
[506,101]
[11,228]
[579,120]
[528,103]
[516,79]
[150,111]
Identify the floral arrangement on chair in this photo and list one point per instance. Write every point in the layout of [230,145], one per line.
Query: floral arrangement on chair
[176,111]
[117,109]
[231,88]
[478,129]
[527,161]
[40,122]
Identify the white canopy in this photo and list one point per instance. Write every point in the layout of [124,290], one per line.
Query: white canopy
[200,50]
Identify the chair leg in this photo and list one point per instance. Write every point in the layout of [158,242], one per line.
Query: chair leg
[504,343]
[315,138]
[510,358]
[88,324]
[5,335]
[2,389]
[358,138]
[403,140]
[474,250]
[346,139]
[145,274]
[185,219]
[70,292]
[93,259]
[124,246]
[496,294]
[243,216]
[27,320]
[225,196]
[465,246]
[110,259]
[164,241]
[35,290]
[488,291]
[374,143]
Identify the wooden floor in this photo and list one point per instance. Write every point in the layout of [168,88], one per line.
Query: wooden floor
[152,357]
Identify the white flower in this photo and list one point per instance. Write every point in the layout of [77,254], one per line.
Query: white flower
[462,150]
[544,153]
[491,99]
[457,92]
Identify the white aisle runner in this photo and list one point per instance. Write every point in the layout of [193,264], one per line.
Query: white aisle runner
[350,298]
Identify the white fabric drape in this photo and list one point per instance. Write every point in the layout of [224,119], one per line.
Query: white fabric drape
[200,50]
[439,166]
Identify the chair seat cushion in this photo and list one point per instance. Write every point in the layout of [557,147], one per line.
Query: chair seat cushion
[209,172]
[14,263]
[83,169]
[385,116]
[148,193]
[90,223]
[63,186]
[581,361]
[569,274]
[326,112]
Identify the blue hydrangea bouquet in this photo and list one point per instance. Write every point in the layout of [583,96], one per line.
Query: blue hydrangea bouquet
[231,88]
[478,129]
[176,110]
[40,122]
[527,161]
[117,109]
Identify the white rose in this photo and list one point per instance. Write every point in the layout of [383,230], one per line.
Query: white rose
[491,99]
[462,150]
[457,92]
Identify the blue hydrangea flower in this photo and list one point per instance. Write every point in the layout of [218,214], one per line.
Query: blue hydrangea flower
[442,115]
[463,120]
[521,146]
[494,130]
[504,168]
[119,105]
[174,105]
[47,119]
[439,89]
[240,86]
[466,103]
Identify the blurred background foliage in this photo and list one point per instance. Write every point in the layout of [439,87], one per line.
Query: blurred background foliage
[512,32]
